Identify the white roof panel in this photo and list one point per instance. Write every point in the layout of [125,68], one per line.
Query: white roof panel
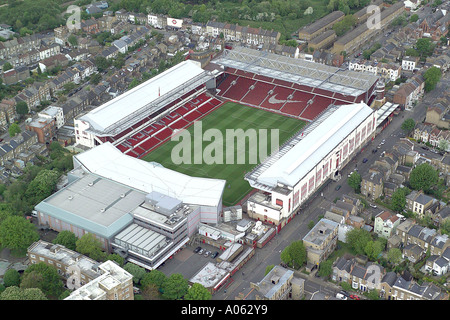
[107,161]
[132,100]
[291,167]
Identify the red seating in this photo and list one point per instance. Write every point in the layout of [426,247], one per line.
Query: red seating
[194,115]
[237,91]
[277,99]
[180,123]
[163,135]
[207,107]
[257,95]
[262,78]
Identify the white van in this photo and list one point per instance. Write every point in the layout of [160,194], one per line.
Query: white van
[341,296]
[34,213]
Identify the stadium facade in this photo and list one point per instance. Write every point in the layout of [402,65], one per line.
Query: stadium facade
[288,178]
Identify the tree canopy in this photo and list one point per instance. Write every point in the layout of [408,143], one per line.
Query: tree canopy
[432,77]
[354,181]
[408,125]
[294,255]
[423,177]
[17,233]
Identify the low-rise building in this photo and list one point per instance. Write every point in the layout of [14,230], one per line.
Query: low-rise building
[385,224]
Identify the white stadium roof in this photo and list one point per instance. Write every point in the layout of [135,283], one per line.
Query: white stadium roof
[107,161]
[297,158]
[131,101]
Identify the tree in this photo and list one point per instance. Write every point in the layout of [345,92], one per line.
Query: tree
[89,245]
[414,18]
[42,185]
[354,181]
[154,277]
[51,283]
[408,125]
[11,278]
[17,233]
[198,292]
[7,66]
[14,129]
[394,256]
[136,271]
[116,258]
[398,199]
[21,108]
[373,249]
[175,287]
[66,238]
[101,63]
[358,239]
[73,41]
[443,144]
[16,293]
[96,78]
[425,47]
[432,76]
[325,268]
[294,255]
[423,177]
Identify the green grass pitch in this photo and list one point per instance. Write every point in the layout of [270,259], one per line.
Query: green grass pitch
[228,116]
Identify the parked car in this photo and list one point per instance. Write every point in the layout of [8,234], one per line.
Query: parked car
[197,249]
[373,206]
[354,297]
[207,253]
[365,160]
[215,254]
[338,187]
[201,251]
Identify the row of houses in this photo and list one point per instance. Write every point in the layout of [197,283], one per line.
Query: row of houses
[20,149]
[430,133]
[387,71]
[408,93]
[389,173]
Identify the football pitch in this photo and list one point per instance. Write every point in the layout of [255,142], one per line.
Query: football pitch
[228,117]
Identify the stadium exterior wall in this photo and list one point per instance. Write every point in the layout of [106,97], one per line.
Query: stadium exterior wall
[292,198]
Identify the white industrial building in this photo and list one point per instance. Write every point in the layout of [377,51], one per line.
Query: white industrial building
[289,177]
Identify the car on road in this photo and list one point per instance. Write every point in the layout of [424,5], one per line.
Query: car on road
[354,297]
[373,206]
[364,160]
[337,187]
[374,151]
[197,249]
[341,296]
[215,254]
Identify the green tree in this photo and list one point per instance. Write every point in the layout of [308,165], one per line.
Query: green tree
[358,239]
[423,177]
[101,63]
[17,233]
[66,238]
[7,66]
[175,287]
[373,295]
[443,144]
[11,278]
[42,185]
[21,108]
[115,257]
[51,283]
[154,277]
[408,125]
[198,292]
[325,268]
[136,271]
[16,293]
[14,129]
[373,249]
[398,199]
[294,255]
[432,76]
[96,78]
[354,181]
[425,47]
[414,18]
[394,256]
[89,245]
[73,41]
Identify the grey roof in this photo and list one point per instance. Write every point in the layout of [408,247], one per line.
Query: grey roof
[390,278]
[423,199]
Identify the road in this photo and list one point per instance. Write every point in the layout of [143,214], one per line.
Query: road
[253,271]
